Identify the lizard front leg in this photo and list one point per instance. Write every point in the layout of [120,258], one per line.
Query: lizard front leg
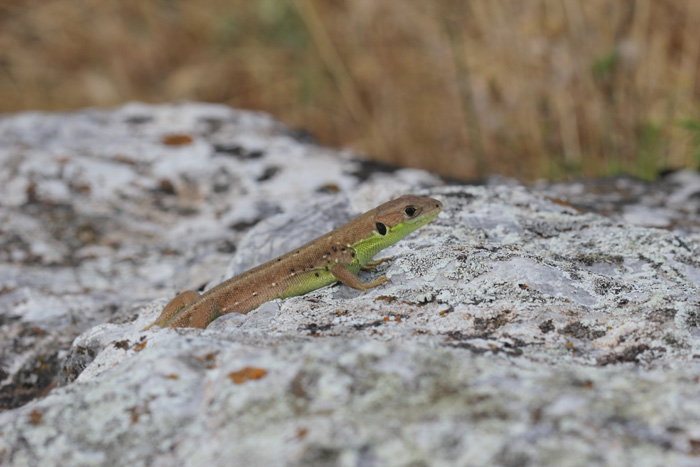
[344,275]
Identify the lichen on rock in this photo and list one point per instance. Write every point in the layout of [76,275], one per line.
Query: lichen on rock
[544,325]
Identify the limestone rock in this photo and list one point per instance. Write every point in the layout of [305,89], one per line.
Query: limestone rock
[517,329]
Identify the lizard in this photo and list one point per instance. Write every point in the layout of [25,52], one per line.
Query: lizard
[334,257]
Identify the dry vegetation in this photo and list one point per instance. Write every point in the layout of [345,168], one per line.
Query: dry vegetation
[543,88]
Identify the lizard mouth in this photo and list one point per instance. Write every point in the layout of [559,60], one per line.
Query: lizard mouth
[425,213]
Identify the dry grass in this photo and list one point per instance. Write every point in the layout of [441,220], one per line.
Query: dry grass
[545,88]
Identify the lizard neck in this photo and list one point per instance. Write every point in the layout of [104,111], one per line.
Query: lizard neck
[366,248]
[376,241]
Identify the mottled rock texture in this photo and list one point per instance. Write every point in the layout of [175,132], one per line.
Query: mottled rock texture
[548,325]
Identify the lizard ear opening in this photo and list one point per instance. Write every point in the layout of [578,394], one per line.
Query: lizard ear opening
[381,228]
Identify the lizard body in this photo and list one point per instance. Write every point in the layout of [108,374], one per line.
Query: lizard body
[336,256]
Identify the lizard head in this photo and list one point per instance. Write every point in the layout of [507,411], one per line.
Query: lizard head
[403,215]
[392,221]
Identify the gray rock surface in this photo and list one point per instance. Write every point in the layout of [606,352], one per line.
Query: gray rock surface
[517,329]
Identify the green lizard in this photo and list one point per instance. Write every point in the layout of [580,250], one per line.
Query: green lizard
[337,256]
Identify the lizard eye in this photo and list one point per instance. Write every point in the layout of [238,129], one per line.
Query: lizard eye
[381,228]
[410,211]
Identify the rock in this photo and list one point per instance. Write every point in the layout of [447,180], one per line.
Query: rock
[518,328]
[672,202]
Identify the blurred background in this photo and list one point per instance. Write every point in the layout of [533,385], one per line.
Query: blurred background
[538,89]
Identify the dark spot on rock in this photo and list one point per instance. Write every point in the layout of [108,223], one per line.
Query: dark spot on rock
[85,351]
[579,331]
[372,324]
[505,347]
[662,315]
[547,326]
[671,340]
[186,211]
[31,192]
[268,173]
[243,225]
[314,328]
[226,246]
[212,124]
[329,188]
[460,195]
[316,454]
[583,383]
[123,344]
[628,355]
[166,186]
[479,324]
[366,169]
[138,119]
[605,287]
[220,186]
[468,346]
[34,379]
[459,335]
[238,151]
[231,149]
[488,325]
[513,349]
